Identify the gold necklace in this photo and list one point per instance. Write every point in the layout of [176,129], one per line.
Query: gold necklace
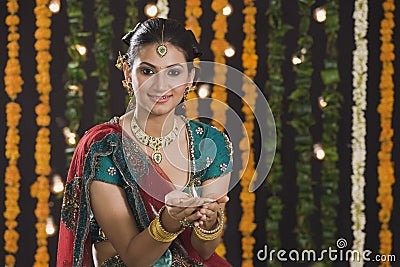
[156,143]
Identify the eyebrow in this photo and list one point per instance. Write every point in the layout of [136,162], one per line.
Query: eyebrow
[154,67]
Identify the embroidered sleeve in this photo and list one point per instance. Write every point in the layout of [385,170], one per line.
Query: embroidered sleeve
[106,171]
[218,150]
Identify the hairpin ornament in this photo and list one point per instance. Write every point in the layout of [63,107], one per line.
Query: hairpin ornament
[162,49]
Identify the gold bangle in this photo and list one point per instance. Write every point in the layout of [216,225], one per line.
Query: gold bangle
[207,235]
[158,232]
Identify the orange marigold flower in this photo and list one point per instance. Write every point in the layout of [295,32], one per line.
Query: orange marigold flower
[12,20]
[197,12]
[12,6]
[13,36]
[42,33]
[44,22]
[218,5]
[12,175]
[43,120]
[9,260]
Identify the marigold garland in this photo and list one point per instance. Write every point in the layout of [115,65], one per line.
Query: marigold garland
[40,189]
[13,86]
[359,128]
[385,109]
[219,106]
[192,13]
[249,63]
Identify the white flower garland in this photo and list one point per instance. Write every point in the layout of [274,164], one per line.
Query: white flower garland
[360,58]
[163,9]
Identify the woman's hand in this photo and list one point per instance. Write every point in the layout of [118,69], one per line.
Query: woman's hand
[209,213]
[183,208]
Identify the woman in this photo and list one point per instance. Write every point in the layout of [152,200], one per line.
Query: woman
[131,199]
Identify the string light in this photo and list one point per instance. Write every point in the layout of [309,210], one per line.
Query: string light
[297,60]
[203,91]
[73,87]
[70,137]
[320,14]
[227,10]
[50,226]
[55,6]
[58,185]
[81,49]
[229,51]
[151,10]
[321,102]
[319,151]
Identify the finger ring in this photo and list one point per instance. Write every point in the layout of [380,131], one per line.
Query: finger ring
[185,223]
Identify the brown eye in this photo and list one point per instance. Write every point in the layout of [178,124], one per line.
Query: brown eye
[146,71]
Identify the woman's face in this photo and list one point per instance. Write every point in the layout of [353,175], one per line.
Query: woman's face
[159,82]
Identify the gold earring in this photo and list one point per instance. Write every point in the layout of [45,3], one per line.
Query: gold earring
[129,87]
[120,62]
[187,91]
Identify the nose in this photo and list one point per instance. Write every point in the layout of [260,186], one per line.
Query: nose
[162,82]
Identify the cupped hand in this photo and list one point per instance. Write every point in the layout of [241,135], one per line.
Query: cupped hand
[209,213]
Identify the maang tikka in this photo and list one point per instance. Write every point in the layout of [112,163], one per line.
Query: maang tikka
[162,49]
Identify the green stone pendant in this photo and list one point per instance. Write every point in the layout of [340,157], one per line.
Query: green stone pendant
[162,50]
[157,157]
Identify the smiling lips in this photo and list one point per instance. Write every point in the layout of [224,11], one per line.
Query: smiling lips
[160,99]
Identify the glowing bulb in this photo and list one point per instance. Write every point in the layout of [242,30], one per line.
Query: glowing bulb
[296,60]
[73,87]
[58,185]
[203,91]
[319,152]
[321,102]
[81,49]
[151,10]
[50,226]
[229,51]
[70,137]
[227,10]
[320,14]
[55,6]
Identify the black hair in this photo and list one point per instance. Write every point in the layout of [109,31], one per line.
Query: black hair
[156,30]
